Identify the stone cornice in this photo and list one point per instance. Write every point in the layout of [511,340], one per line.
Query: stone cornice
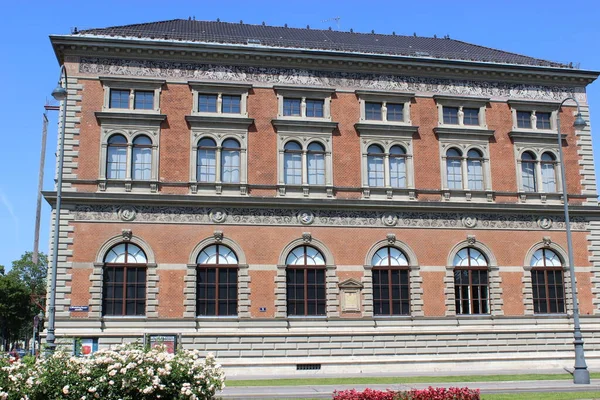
[463,131]
[535,136]
[186,51]
[366,128]
[204,120]
[82,198]
[302,125]
[130,116]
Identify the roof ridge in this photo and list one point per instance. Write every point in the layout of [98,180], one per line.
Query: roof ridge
[508,52]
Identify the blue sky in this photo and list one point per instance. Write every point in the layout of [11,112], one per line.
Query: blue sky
[548,29]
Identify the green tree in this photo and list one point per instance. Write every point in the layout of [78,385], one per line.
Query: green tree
[33,275]
[15,308]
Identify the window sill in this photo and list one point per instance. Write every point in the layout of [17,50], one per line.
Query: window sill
[477,196]
[122,185]
[402,129]
[383,193]
[465,131]
[540,197]
[211,188]
[320,191]
[304,125]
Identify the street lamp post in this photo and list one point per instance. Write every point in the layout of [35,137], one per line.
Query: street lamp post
[581,375]
[60,94]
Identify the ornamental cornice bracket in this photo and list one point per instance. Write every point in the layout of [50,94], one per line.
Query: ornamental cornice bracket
[471,240]
[218,236]
[306,237]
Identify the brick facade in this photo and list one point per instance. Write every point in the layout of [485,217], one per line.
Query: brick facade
[261,223]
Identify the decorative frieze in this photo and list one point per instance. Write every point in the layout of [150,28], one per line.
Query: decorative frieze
[304,77]
[293,217]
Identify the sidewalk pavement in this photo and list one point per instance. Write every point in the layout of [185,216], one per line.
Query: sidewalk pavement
[326,391]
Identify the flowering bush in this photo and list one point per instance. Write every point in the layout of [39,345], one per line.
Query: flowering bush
[126,373]
[430,393]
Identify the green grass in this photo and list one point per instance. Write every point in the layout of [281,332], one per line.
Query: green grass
[400,380]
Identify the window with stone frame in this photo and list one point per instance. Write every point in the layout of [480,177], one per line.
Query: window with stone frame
[391,282]
[124,281]
[218,163]
[306,282]
[471,287]
[547,281]
[130,158]
[465,169]
[305,103]
[384,107]
[131,95]
[387,168]
[219,99]
[538,171]
[461,112]
[216,281]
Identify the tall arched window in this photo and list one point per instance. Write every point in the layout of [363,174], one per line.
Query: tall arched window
[547,163]
[375,170]
[391,289]
[453,169]
[206,165]
[116,157]
[141,163]
[471,282]
[230,161]
[547,282]
[216,281]
[475,169]
[292,168]
[528,172]
[305,282]
[397,167]
[124,285]
[315,159]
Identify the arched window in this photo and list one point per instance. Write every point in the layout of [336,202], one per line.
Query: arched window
[305,282]
[547,282]
[124,285]
[471,282]
[141,163]
[375,170]
[528,172]
[315,158]
[206,165]
[116,157]
[230,161]
[216,281]
[292,168]
[453,169]
[397,167]
[391,289]
[548,161]
[475,169]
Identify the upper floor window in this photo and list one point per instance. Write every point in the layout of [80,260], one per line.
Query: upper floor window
[386,168]
[471,282]
[305,282]
[303,103]
[467,112]
[124,281]
[391,289]
[536,169]
[531,115]
[216,281]
[547,282]
[304,165]
[218,163]
[219,99]
[132,94]
[384,107]
[126,160]
[465,172]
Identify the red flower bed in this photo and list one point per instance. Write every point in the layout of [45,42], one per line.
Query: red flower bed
[430,393]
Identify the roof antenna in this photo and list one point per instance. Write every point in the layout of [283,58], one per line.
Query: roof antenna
[415,34]
[435,36]
[218,19]
[336,19]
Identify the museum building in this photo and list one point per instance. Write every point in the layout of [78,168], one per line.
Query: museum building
[324,200]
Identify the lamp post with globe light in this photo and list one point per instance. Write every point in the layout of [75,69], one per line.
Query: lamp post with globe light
[60,94]
[581,375]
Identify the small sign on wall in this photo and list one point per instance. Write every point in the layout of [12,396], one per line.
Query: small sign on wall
[85,346]
[168,342]
[79,308]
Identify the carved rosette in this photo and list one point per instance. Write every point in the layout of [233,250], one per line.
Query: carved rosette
[218,215]
[545,222]
[127,213]
[306,217]
[469,221]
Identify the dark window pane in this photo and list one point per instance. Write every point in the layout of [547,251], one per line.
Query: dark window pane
[395,112]
[471,116]
[543,120]
[524,119]
[450,115]
[144,100]
[373,111]
[314,108]
[291,107]
[119,98]
[231,104]
[207,103]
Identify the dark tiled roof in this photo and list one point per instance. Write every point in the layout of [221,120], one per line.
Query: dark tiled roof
[275,36]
